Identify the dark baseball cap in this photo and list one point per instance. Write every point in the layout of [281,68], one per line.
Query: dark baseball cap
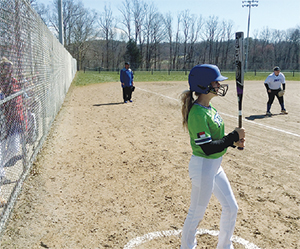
[127,63]
[276,68]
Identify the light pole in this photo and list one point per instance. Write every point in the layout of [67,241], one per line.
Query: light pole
[60,22]
[249,4]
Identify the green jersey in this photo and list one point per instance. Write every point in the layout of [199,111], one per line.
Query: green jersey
[205,125]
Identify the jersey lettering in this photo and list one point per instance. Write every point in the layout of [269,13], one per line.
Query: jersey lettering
[218,119]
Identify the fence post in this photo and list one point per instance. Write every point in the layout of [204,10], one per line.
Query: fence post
[84,69]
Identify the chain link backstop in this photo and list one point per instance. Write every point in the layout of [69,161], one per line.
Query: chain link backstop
[36,72]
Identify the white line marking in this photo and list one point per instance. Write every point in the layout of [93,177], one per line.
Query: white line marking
[266,126]
[165,96]
[156,235]
[231,116]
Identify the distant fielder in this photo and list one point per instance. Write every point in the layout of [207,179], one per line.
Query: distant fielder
[126,78]
[273,86]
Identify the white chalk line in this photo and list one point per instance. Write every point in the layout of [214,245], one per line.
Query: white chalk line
[231,116]
[156,235]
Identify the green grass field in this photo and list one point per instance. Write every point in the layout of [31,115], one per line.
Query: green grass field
[94,77]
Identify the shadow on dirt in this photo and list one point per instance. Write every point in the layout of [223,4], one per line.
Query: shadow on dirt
[253,117]
[119,103]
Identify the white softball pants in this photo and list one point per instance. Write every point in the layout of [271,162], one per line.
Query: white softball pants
[9,148]
[208,177]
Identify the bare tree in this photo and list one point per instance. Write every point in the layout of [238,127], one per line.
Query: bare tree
[221,34]
[277,38]
[254,51]
[41,9]
[126,13]
[186,22]
[211,35]
[83,32]
[78,28]
[295,40]
[143,24]
[139,10]
[168,20]
[116,47]
[195,29]
[266,48]
[177,43]
[158,36]
[106,24]
[71,11]
[228,35]
[148,34]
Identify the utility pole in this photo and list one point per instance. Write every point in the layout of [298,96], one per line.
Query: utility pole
[60,22]
[249,4]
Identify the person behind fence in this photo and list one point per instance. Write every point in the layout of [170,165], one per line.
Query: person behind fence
[209,143]
[12,119]
[126,78]
[273,85]
[32,105]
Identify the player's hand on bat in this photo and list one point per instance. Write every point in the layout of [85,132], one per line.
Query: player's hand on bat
[242,133]
[240,143]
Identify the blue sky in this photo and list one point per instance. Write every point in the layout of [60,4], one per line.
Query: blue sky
[274,14]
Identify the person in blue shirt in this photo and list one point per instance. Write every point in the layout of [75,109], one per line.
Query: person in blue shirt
[126,78]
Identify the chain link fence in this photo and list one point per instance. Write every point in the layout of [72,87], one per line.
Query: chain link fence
[35,74]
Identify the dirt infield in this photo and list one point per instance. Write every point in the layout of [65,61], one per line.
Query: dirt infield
[111,172]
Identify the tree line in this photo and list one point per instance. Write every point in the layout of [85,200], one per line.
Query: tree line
[151,40]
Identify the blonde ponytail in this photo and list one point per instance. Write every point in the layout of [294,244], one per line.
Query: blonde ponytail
[187,103]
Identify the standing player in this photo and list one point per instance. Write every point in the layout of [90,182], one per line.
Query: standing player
[126,78]
[273,86]
[12,119]
[209,143]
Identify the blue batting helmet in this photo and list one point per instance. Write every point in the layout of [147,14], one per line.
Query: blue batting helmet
[201,76]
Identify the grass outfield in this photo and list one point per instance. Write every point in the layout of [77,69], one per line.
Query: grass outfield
[93,77]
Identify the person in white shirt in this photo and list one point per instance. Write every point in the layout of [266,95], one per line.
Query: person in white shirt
[273,85]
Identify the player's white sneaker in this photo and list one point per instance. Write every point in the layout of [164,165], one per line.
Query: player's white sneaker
[284,112]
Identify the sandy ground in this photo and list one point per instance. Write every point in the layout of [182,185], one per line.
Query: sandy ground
[111,172]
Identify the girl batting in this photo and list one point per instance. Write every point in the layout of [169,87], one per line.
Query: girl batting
[209,143]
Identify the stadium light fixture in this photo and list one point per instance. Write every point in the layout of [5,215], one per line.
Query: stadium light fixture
[249,4]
